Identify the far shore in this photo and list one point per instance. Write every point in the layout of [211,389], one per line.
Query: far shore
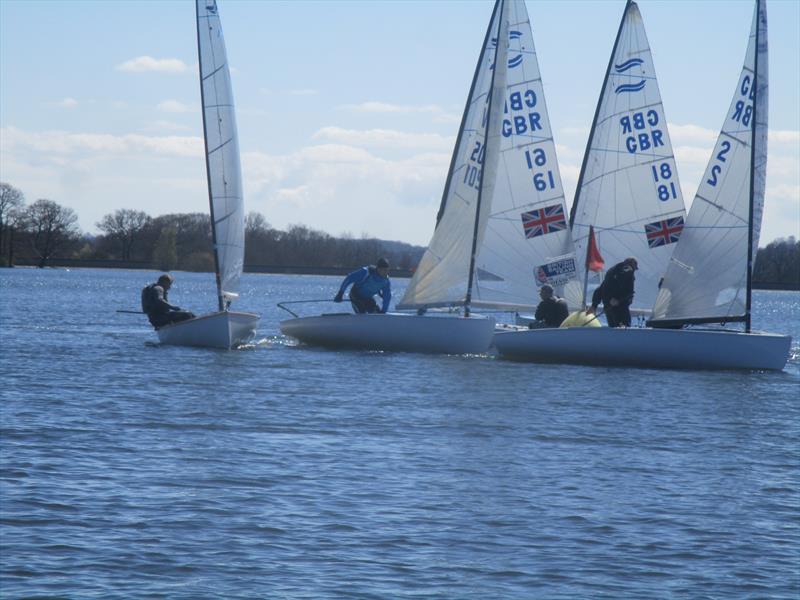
[71,263]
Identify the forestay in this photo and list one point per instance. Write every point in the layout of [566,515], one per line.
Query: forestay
[707,279]
[444,273]
[222,152]
[628,186]
[527,242]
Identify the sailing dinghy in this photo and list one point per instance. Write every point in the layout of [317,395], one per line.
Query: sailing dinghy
[445,277]
[225,328]
[709,277]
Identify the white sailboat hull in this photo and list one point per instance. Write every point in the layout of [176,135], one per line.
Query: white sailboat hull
[394,332]
[645,347]
[216,330]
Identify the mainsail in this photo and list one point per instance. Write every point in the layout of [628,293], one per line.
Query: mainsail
[628,187]
[222,152]
[527,241]
[708,279]
[444,276]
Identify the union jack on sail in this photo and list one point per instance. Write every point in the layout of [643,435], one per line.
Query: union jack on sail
[544,220]
[664,232]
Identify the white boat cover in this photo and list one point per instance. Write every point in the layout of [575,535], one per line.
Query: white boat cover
[222,151]
[707,276]
[629,188]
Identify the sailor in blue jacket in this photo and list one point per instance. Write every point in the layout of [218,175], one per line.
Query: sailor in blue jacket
[367,282]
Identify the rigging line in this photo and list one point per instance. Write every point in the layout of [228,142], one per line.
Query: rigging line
[499,66]
[215,71]
[753,140]
[223,144]
[220,300]
[630,108]
[496,216]
[629,167]
[722,209]
[467,108]
[590,139]
[531,143]
[729,134]
[524,82]
[226,217]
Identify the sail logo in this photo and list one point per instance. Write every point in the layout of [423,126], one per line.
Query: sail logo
[549,219]
[664,232]
[513,61]
[626,66]
[559,272]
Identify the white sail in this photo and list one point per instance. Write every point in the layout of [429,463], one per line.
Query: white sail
[222,152]
[527,241]
[707,279]
[628,187]
[443,275]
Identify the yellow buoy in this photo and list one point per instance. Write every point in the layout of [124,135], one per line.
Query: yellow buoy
[581,318]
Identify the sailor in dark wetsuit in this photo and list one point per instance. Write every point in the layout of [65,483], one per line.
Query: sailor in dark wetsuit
[551,311]
[368,282]
[616,293]
[157,308]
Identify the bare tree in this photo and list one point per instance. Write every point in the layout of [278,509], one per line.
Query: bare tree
[51,227]
[126,226]
[11,201]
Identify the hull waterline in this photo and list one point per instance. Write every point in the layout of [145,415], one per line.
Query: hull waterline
[394,332]
[216,330]
[645,347]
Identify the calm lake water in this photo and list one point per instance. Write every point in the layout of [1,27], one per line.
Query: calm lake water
[133,470]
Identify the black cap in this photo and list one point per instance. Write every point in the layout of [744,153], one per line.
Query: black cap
[382,263]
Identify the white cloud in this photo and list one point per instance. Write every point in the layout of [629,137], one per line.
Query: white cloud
[144,64]
[166,126]
[439,114]
[385,138]
[383,107]
[173,106]
[54,145]
[68,103]
[308,92]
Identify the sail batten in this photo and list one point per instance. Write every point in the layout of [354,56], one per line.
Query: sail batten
[223,168]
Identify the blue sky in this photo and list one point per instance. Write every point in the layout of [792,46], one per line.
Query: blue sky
[347,111]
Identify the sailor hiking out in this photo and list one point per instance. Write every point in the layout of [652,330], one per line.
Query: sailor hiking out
[368,282]
[156,306]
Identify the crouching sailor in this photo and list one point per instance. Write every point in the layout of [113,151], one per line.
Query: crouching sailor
[552,310]
[368,282]
[157,308]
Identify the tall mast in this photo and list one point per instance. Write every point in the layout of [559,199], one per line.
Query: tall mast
[440,214]
[220,298]
[589,141]
[468,299]
[748,297]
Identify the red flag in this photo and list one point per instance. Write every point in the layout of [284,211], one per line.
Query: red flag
[594,262]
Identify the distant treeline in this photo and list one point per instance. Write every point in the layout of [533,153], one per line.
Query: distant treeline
[43,231]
